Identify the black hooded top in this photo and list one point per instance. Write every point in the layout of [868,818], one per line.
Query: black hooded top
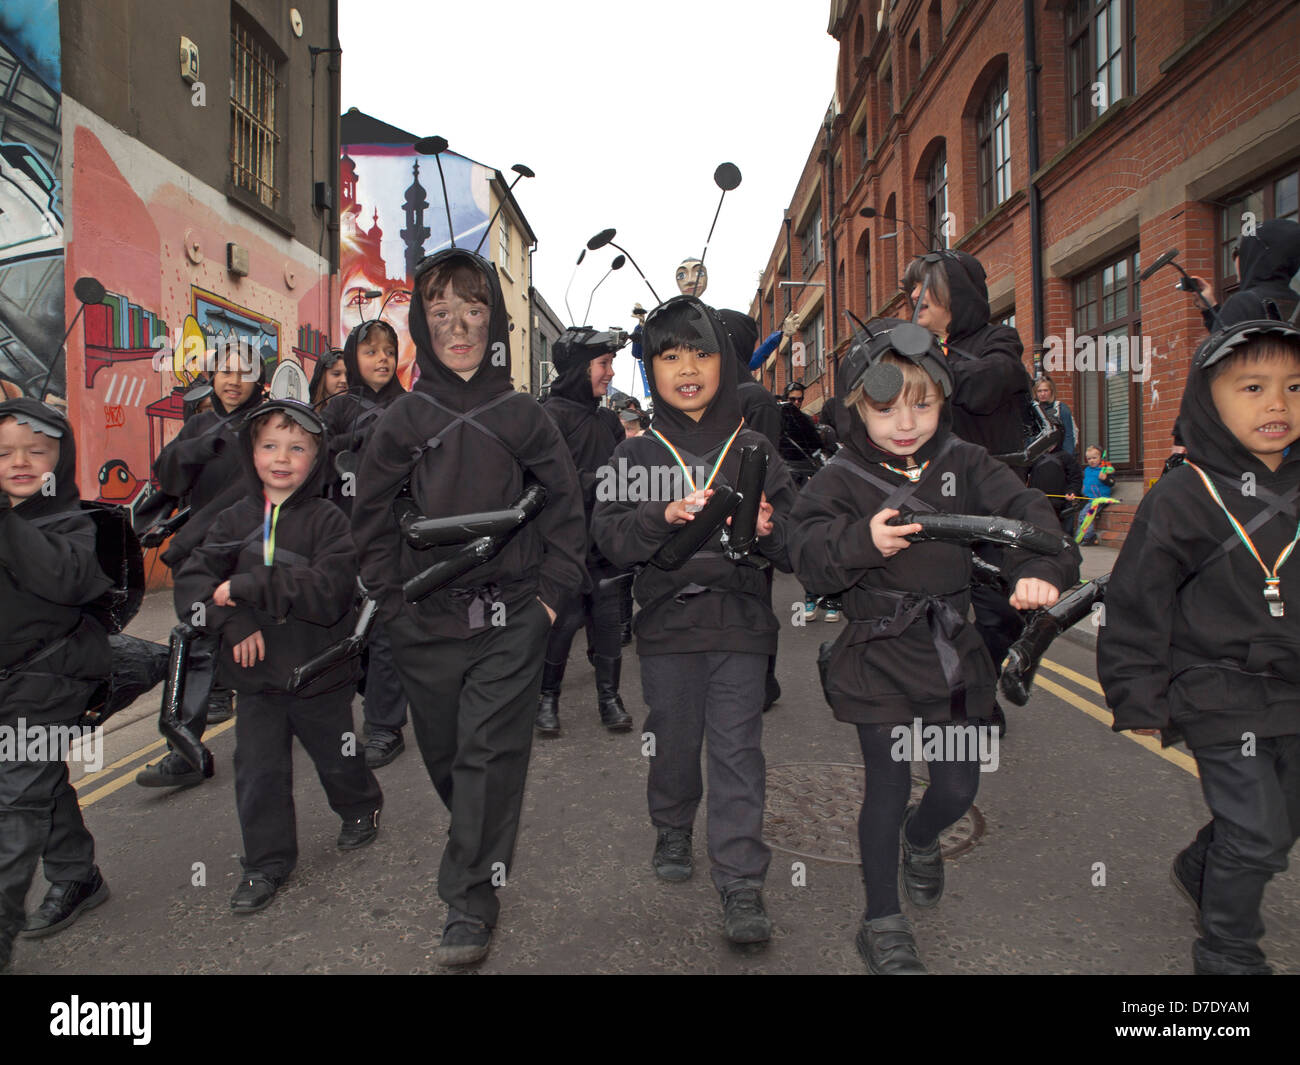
[758,406]
[1189,645]
[734,615]
[302,602]
[349,417]
[891,680]
[1266,262]
[467,471]
[323,365]
[590,430]
[49,571]
[991,385]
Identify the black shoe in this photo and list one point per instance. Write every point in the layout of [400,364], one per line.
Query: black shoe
[548,706]
[1186,884]
[922,869]
[772,694]
[465,940]
[221,706]
[172,772]
[672,858]
[744,921]
[1206,962]
[548,714]
[359,831]
[626,635]
[254,893]
[383,748]
[63,903]
[888,947]
[613,715]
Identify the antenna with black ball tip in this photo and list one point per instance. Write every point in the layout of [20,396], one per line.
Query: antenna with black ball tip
[523,172]
[88,290]
[606,236]
[726,177]
[617,264]
[435,146]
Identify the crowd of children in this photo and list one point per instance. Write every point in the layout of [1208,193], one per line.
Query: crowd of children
[293,518]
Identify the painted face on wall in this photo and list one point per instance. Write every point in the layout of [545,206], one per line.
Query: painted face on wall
[692,278]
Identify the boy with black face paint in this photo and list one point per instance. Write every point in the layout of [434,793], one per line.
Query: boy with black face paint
[202,468]
[705,630]
[370,356]
[907,652]
[276,575]
[52,656]
[1202,633]
[470,655]
[591,432]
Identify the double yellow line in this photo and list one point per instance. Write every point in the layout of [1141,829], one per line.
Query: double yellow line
[95,786]
[1094,710]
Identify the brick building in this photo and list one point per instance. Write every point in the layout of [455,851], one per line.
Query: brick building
[1123,131]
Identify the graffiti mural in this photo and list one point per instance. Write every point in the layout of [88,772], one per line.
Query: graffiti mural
[393,216]
[31,201]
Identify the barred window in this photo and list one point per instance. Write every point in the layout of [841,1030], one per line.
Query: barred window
[254,140]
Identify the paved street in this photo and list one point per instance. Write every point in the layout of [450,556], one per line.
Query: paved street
[1067,794]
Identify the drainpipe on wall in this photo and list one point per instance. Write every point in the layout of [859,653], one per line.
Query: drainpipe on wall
[1035,201]
[336,107]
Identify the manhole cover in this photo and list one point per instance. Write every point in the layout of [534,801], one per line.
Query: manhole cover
[812,812]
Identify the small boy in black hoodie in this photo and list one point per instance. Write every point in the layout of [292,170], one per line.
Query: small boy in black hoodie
[705,630]
[370,356]
[470,655]
[202,467]
[1202,633]
[276,577]
[908,652]
[52,656]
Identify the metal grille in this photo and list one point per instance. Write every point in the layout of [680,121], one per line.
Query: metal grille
[252,111]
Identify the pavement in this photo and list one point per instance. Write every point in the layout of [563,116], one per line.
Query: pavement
[1061,868]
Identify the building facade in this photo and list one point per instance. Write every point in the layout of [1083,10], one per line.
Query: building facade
[1066,145]
[180,154]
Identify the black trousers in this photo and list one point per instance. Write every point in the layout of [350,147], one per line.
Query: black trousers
[385,702]
[1255,800]
[600,612]
[952,789]
[718,695]
[38,815]
[264,730]
[473,702]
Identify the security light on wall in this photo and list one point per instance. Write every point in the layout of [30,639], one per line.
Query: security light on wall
[189,61]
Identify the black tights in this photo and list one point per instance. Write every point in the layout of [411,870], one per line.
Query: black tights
[888,786]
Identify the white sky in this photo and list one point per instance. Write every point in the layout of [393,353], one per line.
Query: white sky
[624,110]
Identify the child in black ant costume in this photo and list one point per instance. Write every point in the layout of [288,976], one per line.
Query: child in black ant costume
[276,576]
[53,654]
[908,651]
[585,361]
[705,630]
[370,356]
[201,466]
[1202,633]
[470,655]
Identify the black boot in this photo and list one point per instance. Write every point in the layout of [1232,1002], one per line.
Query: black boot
[612,714]
[548,706]
[221,705]
[64,901]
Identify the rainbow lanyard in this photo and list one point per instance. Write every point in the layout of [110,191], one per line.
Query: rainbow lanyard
[686,469]
[912,473]
[1272,582]
[270,519]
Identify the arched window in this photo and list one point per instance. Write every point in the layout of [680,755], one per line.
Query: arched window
[936,200]
[891,254]
[863,308]
[993,137]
